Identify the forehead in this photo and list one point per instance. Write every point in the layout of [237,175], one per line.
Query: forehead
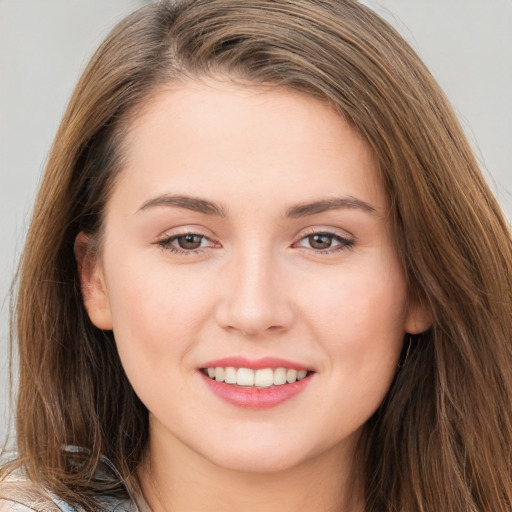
[211,138]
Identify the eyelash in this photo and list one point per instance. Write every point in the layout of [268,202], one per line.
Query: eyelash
[343,243]
[166,244]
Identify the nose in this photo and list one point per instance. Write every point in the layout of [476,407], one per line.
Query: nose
[254,296]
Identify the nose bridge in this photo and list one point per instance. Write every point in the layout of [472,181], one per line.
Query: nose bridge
[254,299]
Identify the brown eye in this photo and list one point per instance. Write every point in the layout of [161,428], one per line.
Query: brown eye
[189,241]
[325,242]
[320,241]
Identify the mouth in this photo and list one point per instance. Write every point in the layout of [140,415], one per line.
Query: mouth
[261,378]
[255,384]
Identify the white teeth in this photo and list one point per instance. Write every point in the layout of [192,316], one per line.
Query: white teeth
[230,375]
[263,378]
[245,377]
[291,376]
[219,374]
[279,376]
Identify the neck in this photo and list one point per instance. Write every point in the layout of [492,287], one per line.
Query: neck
[174,478]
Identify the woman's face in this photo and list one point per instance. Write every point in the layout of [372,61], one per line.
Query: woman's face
[249,229]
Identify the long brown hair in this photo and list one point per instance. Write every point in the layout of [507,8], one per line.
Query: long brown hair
[442,439]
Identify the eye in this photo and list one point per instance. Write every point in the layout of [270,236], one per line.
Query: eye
[325,242]
[320,241]
[186,243]
[189,241]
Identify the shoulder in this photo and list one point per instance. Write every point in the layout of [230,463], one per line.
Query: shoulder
[19,494]
[12,506]
[113,492]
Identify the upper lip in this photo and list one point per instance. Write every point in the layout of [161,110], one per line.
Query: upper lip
[255,364]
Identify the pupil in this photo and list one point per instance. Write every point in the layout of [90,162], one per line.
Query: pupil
[320,241]
[189,241]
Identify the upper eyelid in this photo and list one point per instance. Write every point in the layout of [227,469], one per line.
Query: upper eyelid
[167,244]
[185,230]
[337,232]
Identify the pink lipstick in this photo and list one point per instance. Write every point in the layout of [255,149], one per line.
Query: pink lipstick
[255,384]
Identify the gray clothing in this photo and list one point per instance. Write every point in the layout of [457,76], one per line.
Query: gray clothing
[19,494]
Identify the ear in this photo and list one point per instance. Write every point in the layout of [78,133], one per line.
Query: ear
[418,318]
[92,283]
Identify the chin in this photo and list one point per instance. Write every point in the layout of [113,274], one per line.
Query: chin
[258,464]
[260,457]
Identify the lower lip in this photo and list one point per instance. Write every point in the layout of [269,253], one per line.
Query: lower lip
[255,398]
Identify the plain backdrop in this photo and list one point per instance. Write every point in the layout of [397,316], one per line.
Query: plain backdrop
[44,45]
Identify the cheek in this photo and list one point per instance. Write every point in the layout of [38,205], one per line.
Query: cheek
[154,322]
[156,314]
[360,299]
[358,321]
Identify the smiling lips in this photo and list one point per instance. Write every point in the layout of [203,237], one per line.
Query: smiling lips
[255,384]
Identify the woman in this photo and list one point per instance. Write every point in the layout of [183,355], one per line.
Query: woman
[263,272]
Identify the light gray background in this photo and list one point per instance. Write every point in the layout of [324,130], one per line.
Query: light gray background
[44,45]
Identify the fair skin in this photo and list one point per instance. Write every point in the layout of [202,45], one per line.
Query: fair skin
[289,255]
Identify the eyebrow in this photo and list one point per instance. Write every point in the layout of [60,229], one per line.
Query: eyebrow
[301,210]
[195,204]
[323,205]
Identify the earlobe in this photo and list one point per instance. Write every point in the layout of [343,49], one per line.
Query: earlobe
[419,318]
[92,283]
